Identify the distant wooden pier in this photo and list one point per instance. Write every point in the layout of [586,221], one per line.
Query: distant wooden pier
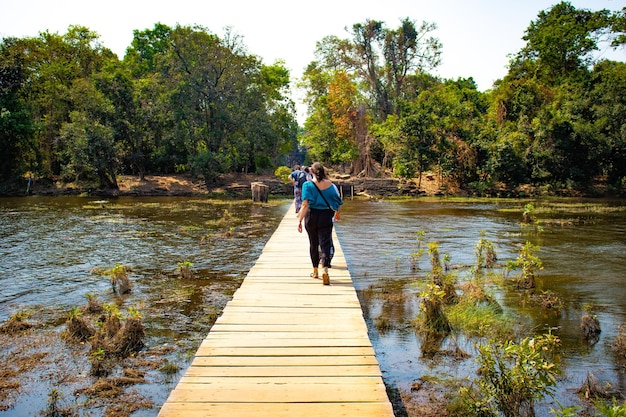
[285,345]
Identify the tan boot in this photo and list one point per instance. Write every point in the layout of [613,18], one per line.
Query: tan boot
[325,277]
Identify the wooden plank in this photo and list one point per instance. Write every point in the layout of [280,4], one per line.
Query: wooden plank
[363,409]
[211,342]
[285,351]
[239,391]
[284,371]
[283,360]
[327,326]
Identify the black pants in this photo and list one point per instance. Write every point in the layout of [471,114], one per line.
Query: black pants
[319,226]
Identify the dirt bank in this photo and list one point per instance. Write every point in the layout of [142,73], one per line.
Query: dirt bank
[237,185]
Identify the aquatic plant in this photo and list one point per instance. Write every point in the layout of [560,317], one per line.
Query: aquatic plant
[431,306]
[436,273]
[564,411]
[54,408]
[446,282]
[17,322]
[112,320]
[610,409]
[485,252]
[419,251]
[512,376]
[619,345]
[527,214]
[77,327]
[118,276]
[529,264]
[590,326]
[479,319]
[169,368]
[94,306]
[130,337]
[184,267]
[100,366]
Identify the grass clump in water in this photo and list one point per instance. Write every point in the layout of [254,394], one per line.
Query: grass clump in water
[17,323]
[479,319]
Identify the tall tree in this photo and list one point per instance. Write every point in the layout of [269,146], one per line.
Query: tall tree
[381,60]
[561,40]
[16,124]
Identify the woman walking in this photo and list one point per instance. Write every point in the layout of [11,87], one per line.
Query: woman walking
[320,206]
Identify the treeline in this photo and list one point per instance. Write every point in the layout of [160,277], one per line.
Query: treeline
[184,100]
[558,118]
[181,100]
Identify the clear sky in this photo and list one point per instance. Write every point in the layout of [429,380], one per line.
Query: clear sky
[477,35]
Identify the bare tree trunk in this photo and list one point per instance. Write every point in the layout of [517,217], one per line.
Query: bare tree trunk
[363,166]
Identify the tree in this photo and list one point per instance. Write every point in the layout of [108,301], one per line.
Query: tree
[16,125]
[562,39]
[608,103]
[88,147]
[331,127]
[377,60]
[383,58]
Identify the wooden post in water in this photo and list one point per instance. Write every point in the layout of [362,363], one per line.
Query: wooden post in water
[260,192]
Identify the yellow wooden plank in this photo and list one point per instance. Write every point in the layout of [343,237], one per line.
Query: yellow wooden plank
[283,361]
[234,342]
[237,390]
[366,409]
[326,326]
[300,335]
[285,371]
[285,351]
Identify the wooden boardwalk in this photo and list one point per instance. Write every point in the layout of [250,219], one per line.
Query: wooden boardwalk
[286,345]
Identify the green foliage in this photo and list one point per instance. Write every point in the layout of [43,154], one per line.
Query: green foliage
[184,267]
[182,97]
[485,252]
[528,263]
[527,214]
[610,409]
[481,319]
[419,250]
[432,307]
[187,100]
[564,411]
[512,377]
[283,173]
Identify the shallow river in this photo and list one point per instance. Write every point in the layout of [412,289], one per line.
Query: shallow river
[50,249]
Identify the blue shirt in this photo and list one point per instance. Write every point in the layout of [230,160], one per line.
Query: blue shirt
[312,195]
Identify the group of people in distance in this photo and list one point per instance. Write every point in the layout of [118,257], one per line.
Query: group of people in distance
[317,202]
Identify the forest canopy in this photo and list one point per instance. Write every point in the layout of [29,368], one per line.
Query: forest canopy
[185,100]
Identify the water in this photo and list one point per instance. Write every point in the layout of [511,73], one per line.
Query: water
[52,247]
[584,258]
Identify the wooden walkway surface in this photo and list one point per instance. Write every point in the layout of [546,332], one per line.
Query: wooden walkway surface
[285,345]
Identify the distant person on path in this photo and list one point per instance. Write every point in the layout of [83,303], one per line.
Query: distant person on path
[320,206]
[297,177]
[307,171]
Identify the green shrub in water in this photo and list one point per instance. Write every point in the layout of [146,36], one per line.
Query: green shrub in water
[512,377]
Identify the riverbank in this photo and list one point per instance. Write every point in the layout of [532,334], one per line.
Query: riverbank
[239,185]
[234,185]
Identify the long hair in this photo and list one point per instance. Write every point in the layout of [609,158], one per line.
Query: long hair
[319,171]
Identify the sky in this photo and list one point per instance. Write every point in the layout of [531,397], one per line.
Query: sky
[478,36]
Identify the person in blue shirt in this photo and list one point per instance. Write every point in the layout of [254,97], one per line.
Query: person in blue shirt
[320,207]
[297,177]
